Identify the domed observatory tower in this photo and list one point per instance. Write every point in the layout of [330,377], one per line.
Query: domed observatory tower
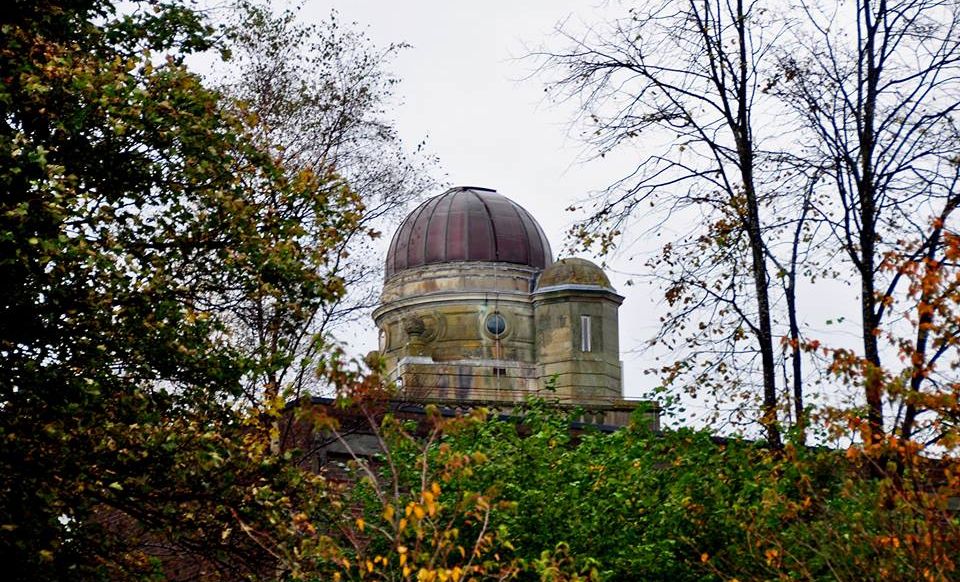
[474,311]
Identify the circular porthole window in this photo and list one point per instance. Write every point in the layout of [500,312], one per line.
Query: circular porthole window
[496,325]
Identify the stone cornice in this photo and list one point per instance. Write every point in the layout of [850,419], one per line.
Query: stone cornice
[546,293]
[452,297]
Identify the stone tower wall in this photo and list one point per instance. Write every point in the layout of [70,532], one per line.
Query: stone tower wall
[578,375]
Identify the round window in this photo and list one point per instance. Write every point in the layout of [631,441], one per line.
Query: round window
[496,324]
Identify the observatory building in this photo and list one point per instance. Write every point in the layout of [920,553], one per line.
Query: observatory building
[476,312]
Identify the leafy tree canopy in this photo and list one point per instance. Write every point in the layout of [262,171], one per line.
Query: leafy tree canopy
[137,216]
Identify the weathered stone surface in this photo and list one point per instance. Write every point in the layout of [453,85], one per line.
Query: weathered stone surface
[573,271]
[449,354]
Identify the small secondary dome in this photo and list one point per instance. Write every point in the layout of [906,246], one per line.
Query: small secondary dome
[573,271]
[468,223]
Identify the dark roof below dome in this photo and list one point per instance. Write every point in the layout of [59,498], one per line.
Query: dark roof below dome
[468,224]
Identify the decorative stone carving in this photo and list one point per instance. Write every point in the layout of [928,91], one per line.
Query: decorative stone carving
[414,328]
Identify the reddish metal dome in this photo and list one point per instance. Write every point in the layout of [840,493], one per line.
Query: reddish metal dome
[467,223]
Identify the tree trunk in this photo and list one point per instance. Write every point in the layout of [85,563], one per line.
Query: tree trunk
[764,331]
[867,191]
[797,356]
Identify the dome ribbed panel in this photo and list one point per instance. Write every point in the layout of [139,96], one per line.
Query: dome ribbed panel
[539,245]
[513,245]
[418,241]
[456,240]
[437,230]
[468,224]
[480,235]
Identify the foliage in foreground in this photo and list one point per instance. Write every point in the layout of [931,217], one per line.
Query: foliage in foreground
[528,500]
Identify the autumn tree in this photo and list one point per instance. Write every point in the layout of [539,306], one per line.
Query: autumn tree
[139,211]
[794,146]
[685,76]
[875,84]
[319,95]
[406,516]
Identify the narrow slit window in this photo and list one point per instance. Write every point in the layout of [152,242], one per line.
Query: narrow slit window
[585,344]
